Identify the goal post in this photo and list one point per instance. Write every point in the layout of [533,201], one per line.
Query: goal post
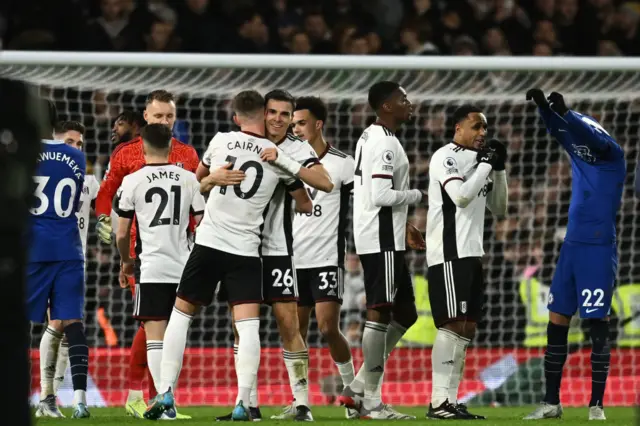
[504,364]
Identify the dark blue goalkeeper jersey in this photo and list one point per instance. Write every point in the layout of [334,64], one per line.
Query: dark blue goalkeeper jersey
[599,170]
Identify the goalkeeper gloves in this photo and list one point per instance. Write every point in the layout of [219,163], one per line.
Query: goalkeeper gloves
[538,97]
[104,229]
[490,157]
[556,102]
[501,152]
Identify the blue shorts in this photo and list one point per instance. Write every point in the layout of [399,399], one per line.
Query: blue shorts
[584,279]
[58,286]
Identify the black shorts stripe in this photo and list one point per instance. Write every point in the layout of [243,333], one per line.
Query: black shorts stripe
[449,237]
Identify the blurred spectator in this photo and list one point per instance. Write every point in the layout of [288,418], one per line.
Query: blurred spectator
[416,39]
[416,27]
[625,33]
[300,43]
[316,27]
[113,29]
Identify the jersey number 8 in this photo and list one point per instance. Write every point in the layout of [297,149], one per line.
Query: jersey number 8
[246,166]
[41,182]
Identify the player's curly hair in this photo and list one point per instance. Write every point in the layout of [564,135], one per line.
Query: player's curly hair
[380,92]
[132,117]
[70,125]
[315,105]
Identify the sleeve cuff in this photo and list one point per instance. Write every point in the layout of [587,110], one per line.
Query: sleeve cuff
[297,184]
[381,176]
[127,214]
[450,179]
[310,162]
[196,213]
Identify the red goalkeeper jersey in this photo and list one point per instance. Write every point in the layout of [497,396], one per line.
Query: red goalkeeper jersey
[127,158]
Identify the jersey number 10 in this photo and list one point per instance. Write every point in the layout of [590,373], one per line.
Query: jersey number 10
[246,166]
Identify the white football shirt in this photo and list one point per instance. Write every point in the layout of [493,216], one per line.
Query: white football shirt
[453,232]
[161,196]
[233,217]
[379,155]
[319,237]
[277,235]
[89,193]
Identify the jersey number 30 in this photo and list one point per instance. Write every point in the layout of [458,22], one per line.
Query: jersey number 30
[41,182]
[256,183]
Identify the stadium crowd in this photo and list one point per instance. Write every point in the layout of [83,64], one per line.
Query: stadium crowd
[363,27]
[539,174]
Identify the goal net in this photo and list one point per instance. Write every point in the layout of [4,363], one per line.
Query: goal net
[505,361]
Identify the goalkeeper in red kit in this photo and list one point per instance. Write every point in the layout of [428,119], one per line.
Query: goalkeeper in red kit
[127,158]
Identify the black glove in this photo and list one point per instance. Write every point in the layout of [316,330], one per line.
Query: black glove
[488,156]
[501,150]
[538,97]
[556,102]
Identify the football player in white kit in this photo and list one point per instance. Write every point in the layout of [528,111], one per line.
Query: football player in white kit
[466,176]
[319,241]
[54,350]
[227,250]
[279,273]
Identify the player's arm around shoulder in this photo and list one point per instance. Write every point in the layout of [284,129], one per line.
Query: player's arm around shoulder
[313,172]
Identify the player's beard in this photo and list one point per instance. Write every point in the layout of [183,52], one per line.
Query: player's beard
[124,138]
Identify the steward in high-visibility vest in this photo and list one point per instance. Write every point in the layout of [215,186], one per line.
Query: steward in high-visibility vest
[423,332]
[626,304]
[534,296]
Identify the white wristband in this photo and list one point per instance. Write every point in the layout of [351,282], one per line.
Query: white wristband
[287,163]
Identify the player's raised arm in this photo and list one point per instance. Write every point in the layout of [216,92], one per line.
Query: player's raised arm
[497,197]
[383,164]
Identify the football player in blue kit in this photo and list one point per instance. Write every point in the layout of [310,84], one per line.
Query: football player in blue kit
[55,269]
[586,270]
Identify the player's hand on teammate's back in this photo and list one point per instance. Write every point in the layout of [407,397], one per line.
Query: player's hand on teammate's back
[557,104]
[538,97]
[415,240]
[224,176]
[269,154]
[500,149]
[104,229]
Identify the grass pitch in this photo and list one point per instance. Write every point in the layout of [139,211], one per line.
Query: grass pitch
[507,416]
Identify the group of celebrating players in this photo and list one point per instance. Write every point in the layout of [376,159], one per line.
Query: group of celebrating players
[268,205]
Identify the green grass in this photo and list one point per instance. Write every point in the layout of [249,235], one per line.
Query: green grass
[202,416]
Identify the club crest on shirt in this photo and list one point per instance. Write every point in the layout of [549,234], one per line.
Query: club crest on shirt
[584,153]
[387,157]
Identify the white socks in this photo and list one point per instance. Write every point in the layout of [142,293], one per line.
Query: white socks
[297,364]
[61,365]
[447,362]
[253,398]
[395,332]
[49,345]
[458,368]
[373,350]
[248,357]
[175,338]
[347,372]
[154,361]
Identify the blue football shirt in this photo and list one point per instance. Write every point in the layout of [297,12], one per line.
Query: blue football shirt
[599,169]
[53,232]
